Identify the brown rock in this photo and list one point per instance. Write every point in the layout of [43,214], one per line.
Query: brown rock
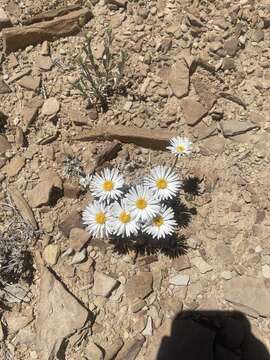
[118,3]
[18,75]
[156,341]
[46,191]
[71,191]
[148,138]
[44,62]
[236,127]
[29,82]
[16,321]
[15,165]
[202,88]
[231,46]
[103,284]
[59,315]
[4,19]
[139,286]
[4,144]
[179,79]
[109,152]
[131,348]
[30,111]
[20,37]
[78,238]
[19,137]
[23,207]
[181,263]
[71,221]
[193,111]
[113,349]
[4,88]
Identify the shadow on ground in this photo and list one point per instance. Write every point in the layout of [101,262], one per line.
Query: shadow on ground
[211,335]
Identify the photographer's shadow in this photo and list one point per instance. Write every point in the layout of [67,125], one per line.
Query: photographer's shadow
[211,335]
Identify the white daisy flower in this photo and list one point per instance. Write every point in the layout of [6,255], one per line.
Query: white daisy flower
[107,185]
[180,146]
[97,217]
[124,222]
[142,203]
[163,182]
[162,224]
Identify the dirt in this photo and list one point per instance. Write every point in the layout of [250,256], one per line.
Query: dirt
[183,57]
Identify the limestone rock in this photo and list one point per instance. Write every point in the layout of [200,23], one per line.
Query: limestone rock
[179,280]
[103,284]
[139,286]
[201,265]
[59,315]
[179,79]
[249,292]
[193,111]
[51,254]
[51,106]
[78,238]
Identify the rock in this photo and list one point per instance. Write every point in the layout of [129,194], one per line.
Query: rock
[44,62]
[201,265]
[203,89]
[45,48]
[79,257]
[236,127]
[118,3]
[226,275]
[30,82]
[78,238]
[179,79]
[4,144]
[71,191]
[108,153]
[93,352]
[153,348]
[15,166]
[4,19]
[192,243]
[193,111]
[18,75]
[51,106]
[148,330]
[2,335]
[47,191]
[103,284]
[266,271]
[224,254]
[51,254]
[25,336]
[248,292]
[30,111]
[179,280]
[112,350]
[4,88]
[23,207]
[16,321]
[73,220]
[59,315]
[116,20]
[148,138]
[181,263]
[139,286]
[21,36]
[137,305]
[131,348]
[231,46]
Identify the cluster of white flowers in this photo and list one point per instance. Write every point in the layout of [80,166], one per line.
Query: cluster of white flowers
[122,210]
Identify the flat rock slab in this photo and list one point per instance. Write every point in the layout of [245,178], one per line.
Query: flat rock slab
[201,265]
[4,88]
[236,127]
[51,106]
[131,348]
[139,286]
[154,139]
[73,220]
[249,292]
[4,144]
[20,37]
[15,165]
[30,82]
[103,284]
[179,79]
[193,111]
[78,238]
[59,315]
[179,280]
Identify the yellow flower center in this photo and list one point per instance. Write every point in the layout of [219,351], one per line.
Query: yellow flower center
[124,217]
[158,221]
[108,185]
[141,203]
[161,184]
[100,218]
[180,148]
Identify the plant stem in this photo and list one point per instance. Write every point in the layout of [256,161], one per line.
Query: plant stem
[175,162]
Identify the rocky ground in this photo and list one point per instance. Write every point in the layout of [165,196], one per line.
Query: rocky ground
[195,68]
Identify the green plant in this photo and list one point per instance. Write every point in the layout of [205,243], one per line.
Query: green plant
[99,80]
